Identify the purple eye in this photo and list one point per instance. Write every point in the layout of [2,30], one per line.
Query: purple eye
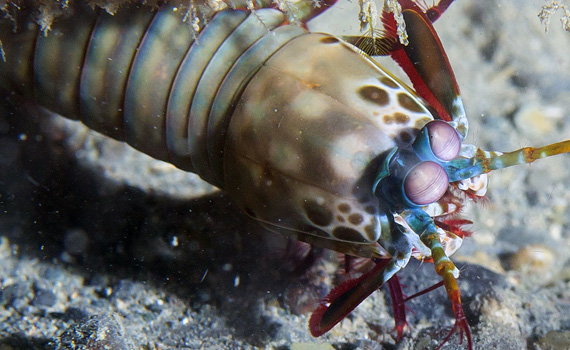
[426,183]
[444,141]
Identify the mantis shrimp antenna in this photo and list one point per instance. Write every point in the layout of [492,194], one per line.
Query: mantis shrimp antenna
[484,162]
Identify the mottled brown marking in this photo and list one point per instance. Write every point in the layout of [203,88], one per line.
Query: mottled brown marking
[355,219]
[389,82]
[318,214]
[405,137]
[328,40]
[370,209]
[339,218]
[401,118]
[374,94]
[409,103]
[347,234]
[387,119]
[370,231]
[344,208]
[421,122]
[311,85]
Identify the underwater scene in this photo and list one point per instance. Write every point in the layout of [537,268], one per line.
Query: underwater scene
[288,174]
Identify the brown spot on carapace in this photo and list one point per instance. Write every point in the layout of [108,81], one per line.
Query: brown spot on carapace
[401,118]
[328,40]
[389,82]
[339,218]
[387,119]
[347,234]
[370,209]
[405,137]
[370,231]
[374,94]
[355,219]
[409,103]
[344,208]
[421,122]
[311,85]
[318,214]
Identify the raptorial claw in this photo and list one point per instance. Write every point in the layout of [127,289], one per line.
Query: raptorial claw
[398,306]
[347,296]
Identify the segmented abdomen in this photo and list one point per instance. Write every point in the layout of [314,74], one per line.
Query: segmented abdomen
[141,76]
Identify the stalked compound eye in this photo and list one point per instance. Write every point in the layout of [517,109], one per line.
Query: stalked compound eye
[425,183]
[444,140]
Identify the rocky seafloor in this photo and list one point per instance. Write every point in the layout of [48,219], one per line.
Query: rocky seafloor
[102,248]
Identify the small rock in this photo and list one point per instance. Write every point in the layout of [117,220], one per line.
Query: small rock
[99,332]
[534,258]
[538,121]
[555,340]
[44,297]
[14,294]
